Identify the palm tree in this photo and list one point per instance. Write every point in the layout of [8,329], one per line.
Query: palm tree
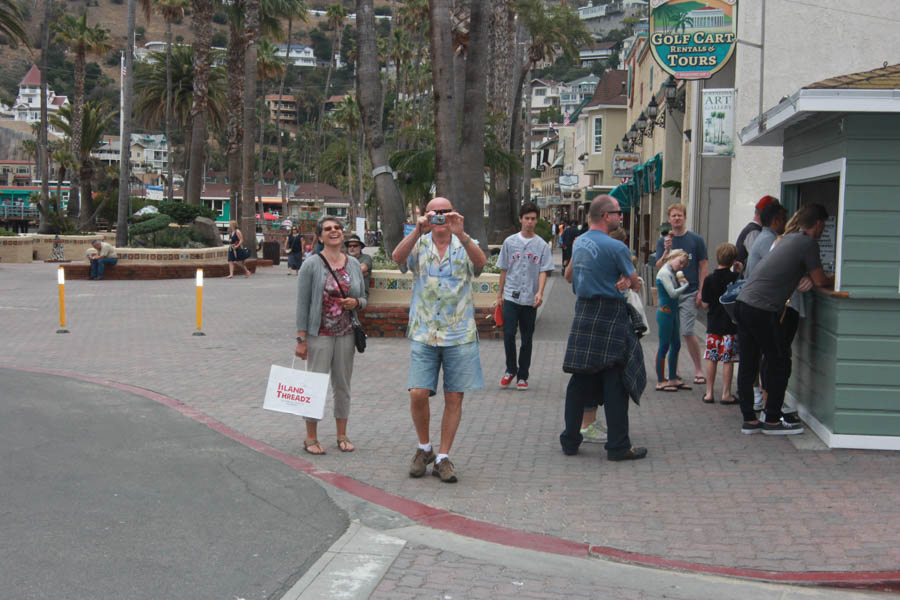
[237,47]
[11,23]
[368,92]
[201,24]
[269,66]
[44,226]
[552,31]
[153,89]
[82,39]
[292,8]
[171,11]
[251,32]
[335,15]
[95,119]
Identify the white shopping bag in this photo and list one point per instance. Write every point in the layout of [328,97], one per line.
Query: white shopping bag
[296,392]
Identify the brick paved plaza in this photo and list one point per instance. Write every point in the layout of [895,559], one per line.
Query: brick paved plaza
[705,494]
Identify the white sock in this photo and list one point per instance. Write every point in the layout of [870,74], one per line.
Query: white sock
[440,457]
[425,447]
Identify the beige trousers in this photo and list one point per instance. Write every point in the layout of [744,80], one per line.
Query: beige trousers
[333,354]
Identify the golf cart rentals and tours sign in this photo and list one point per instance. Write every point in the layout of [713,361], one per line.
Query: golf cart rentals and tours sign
[691,39]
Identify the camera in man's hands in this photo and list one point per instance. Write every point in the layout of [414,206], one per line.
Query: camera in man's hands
[438,219]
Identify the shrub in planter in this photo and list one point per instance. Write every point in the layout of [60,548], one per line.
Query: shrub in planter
[184,214]
[156,223]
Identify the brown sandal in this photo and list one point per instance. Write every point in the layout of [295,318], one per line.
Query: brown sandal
[313,447]
[345,445]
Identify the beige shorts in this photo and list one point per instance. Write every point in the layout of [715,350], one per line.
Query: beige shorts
[687,313]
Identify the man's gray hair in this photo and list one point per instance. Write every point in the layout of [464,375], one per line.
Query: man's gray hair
[600,206]
[97,241]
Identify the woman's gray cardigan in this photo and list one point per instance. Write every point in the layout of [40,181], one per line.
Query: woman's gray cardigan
[311,284]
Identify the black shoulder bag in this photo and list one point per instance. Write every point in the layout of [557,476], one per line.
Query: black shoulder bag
[359,334]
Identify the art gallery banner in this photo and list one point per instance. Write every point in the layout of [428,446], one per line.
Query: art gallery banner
[718,122]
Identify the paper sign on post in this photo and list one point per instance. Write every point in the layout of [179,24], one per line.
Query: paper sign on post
[296,392]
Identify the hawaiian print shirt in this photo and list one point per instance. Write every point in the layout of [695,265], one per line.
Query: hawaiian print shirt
[442,312]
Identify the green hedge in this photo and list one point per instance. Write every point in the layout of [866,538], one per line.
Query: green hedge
[184,214]
[157,223]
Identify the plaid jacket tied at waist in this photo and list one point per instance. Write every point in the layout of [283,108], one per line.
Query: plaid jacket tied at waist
[603,337]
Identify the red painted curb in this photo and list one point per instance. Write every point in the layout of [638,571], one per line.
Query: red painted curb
[446,521]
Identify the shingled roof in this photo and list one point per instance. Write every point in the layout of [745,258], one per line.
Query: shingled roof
[885,78]
[32,77]
[610,90]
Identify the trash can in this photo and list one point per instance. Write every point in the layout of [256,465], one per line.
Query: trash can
[272,251]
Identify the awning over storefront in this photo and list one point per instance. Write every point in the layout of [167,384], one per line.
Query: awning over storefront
[625,194]
[648,176]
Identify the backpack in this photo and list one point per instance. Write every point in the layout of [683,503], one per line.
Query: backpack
[728,299]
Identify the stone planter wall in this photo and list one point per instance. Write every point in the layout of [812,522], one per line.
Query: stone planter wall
[393,288]
[26,248]
[390,320]
[387,311]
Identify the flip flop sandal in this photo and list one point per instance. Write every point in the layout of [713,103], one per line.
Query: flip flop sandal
[708,400]
[684,386]
[699,380]
[729,400]
[345,445]
[314,444]
[667,388]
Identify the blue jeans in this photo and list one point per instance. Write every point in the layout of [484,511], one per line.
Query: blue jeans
[521,317]
[98,265]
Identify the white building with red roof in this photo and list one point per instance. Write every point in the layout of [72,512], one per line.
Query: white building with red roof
[28,104]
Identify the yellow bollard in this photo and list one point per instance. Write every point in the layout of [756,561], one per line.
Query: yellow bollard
[199,303]
[61,279]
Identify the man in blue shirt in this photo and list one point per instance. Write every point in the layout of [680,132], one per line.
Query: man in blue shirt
[602,354]
[679,238]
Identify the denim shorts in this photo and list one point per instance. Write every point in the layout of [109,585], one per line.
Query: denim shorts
[462,367]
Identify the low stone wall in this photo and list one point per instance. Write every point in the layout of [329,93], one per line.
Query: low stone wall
[387,311]
[27,248]
[16,249]
[147,271]
[74,246]
[390,320]
[393,288]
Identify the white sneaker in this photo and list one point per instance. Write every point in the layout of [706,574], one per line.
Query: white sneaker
[595,433]
[758,399]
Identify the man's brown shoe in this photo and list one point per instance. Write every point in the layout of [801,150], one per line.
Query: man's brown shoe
[445,471]
[422,458]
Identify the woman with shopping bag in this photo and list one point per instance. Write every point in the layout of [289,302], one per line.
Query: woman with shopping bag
[329,290]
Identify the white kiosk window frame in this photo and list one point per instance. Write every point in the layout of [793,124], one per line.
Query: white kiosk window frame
[826,170]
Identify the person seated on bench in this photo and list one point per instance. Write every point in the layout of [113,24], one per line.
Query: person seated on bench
[105,255]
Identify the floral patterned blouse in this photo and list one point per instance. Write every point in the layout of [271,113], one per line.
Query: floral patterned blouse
[442,312]
[335,320]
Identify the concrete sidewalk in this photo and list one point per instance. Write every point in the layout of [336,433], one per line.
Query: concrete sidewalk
[707,498]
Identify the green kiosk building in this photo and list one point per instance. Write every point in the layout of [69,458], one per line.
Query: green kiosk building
[841,148]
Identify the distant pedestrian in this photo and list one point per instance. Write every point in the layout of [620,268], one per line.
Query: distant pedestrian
[524,261]
[759,308]
[567,239]
[236,251]
[679,238]
[443,260]
[603,353]
[294,248]
[721,332]
[329,289]
[355,249]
